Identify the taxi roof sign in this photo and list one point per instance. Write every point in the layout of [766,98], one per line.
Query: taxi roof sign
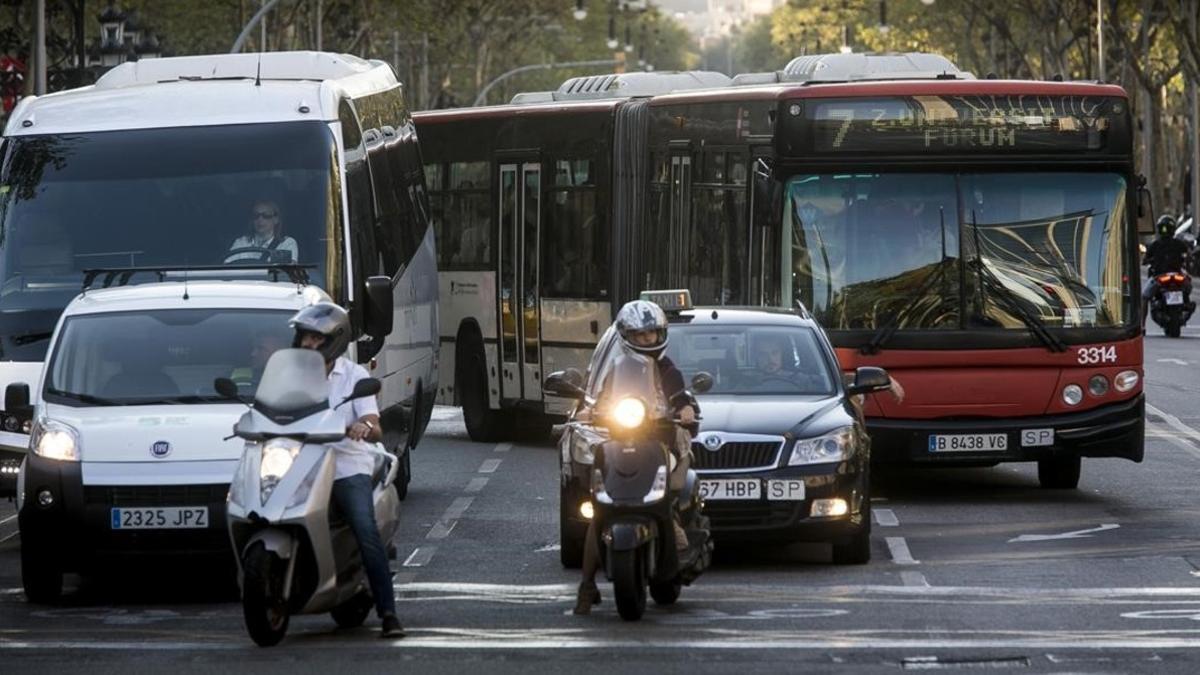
[671,301]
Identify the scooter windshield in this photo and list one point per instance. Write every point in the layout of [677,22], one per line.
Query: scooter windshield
[632,376]
[293,383]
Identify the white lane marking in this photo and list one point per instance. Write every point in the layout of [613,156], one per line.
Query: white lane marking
[10,537]
[548,548]
[885,517]
[1178,362]
[8,519]
[420,557]
[477,484]
[503,447]
[1189,614]
[1076,534]
[899,550]
[913,578]
[441,529]
[490,465]
[445,525]
[1173,422]
[457,508]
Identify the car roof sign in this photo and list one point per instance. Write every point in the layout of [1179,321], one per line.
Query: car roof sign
[671,301]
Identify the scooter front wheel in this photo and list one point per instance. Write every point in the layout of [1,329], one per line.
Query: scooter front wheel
[263,607]
[629,584]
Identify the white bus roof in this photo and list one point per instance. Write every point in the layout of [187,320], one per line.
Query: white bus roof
[264,295]
[205,91]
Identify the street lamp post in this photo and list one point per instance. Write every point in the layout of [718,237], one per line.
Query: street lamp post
[1100,40]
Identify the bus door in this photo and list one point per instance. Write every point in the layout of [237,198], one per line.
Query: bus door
[520,301]
[763,229]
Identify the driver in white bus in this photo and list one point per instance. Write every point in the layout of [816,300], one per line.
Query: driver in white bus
[265,242]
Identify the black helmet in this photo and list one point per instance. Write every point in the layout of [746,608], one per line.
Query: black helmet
[1166,226]
[324,318]
[639,316]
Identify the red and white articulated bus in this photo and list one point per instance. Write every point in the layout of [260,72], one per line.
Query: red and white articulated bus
[977,238]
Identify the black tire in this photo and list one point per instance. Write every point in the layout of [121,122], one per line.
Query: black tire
[484,425]
[856,549]
[570,546]
[41,576]
[353,612]
[1059,473]
[420,418]
[665,592]
[1174,326]
[629,584]
[263,609]
[403,475]
[535,427]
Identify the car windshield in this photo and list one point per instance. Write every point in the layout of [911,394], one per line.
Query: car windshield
[958,251]
[162,357]
[753,359]
[217,195]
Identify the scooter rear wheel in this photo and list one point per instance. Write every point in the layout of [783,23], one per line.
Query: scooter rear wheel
[263,609]
[353,612]
[629,584]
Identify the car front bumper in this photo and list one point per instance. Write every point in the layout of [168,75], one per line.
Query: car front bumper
[1115,430]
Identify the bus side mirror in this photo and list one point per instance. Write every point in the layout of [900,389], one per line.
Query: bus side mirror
[566,383]
[379,310]
[16,399]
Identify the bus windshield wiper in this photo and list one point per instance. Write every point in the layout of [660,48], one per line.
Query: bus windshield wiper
[83,398]
[885,332]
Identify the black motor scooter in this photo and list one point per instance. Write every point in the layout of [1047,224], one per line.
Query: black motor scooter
[1171,305]
[637,485]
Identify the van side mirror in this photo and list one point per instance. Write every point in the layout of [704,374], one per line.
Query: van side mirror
[869,379]
[379,311]
[702,382]
[16,399]
[566,383]
[368,386]
[226,388]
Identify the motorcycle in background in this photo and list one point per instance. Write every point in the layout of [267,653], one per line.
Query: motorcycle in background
[293,555]
[1171,305]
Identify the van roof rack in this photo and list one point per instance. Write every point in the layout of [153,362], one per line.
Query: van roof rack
[120,276]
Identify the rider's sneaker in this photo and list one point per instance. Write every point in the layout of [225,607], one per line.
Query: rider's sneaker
[588,595]
[391,627]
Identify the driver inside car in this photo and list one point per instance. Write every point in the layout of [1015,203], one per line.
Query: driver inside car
[265,242]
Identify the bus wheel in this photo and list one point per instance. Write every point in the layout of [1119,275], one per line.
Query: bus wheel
[1060,473]
[483,424]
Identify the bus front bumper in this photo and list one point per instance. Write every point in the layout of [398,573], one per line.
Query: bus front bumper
[1114,430]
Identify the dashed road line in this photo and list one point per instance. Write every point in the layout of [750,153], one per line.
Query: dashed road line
[477,484]
[503,447]
[886,517]
[489,465]
[912,578]
[5,521]
[899,550]
[420,556]
[441,529]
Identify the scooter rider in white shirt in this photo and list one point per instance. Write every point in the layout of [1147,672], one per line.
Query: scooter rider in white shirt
[325,327]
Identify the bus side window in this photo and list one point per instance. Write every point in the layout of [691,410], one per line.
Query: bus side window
[575,235]
[364,260]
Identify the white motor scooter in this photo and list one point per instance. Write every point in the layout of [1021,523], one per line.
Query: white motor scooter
[294,556]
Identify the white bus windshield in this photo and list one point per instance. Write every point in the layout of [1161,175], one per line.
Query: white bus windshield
[182,196]
[958,251]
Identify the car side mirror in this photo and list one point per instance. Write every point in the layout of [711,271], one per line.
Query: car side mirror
[566,383]
[368,386]
[702,382]
[16,399]
[869,379]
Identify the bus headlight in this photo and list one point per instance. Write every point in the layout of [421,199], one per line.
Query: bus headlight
[1125,380]
[1098,385]
[54,440]
[1072,394]
[629,413]
[831,447]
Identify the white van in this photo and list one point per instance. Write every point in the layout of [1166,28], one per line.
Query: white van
[130,447]
[194,161]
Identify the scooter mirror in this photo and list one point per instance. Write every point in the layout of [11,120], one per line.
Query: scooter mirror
[567,383]
[365,387]
[226,388]
[702,382]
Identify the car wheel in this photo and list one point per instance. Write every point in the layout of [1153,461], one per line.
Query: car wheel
[856,549]
[570,543]
[1060,473]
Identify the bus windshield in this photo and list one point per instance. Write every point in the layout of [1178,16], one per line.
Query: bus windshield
[947,251]
[216,195]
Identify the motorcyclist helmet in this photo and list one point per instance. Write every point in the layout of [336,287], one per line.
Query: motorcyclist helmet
[327,320]
[1166,226]
[643,327]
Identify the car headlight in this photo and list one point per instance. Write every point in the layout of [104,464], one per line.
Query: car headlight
[629,413]
[54,440]
[834,446]
[277,457]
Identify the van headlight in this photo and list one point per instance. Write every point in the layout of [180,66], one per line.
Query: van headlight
[277,457]
[54,440]
[629,413]
[834,446]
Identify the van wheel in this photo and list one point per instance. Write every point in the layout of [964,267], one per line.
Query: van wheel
[41,576]
[483,424]
[1059,473]
[420,418]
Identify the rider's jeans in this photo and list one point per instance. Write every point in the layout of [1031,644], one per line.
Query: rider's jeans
[353,498]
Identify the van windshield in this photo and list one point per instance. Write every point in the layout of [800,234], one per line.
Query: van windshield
[184,196]
[162,357]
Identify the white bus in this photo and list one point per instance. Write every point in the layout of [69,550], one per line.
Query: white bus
[243,159]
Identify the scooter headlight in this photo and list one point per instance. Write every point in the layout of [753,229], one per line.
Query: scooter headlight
[629,413]
[277,457]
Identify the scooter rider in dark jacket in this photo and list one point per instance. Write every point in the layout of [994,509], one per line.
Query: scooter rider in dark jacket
[1165,254]
[642,326]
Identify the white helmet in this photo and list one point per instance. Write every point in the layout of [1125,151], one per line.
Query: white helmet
[640,316]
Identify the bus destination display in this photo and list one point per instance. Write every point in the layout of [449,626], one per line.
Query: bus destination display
[949,124]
